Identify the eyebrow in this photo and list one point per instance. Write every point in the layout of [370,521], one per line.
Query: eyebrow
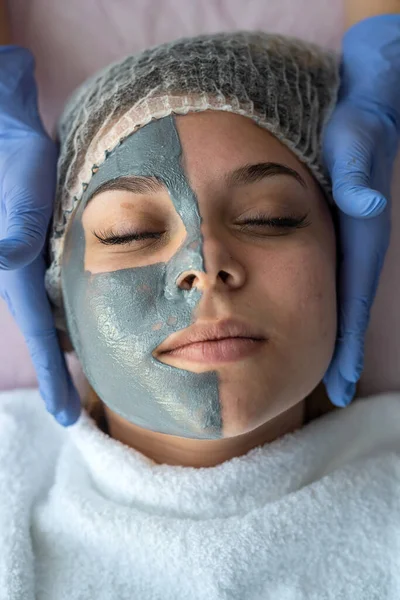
[131,183]
[251,173]
[260,171]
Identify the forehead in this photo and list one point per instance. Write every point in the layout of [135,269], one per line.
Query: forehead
[199,149]
[216,142]
[197,155]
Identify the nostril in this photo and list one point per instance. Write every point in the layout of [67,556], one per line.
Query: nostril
[187,282]
[224,276]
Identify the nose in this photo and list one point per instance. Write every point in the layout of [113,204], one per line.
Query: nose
[221,269]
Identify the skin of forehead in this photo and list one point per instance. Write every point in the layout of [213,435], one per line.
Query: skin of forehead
[112,316]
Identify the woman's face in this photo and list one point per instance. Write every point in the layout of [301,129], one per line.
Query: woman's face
[264,255]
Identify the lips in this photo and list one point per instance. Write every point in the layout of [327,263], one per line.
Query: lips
[210,332]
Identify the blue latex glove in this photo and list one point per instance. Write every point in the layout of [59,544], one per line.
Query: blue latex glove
[28,161]
[359,147]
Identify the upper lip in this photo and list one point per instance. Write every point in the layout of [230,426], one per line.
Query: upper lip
[203,332]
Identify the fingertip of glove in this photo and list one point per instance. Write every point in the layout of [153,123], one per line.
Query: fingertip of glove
[67,417]
[16,256]
[359,202]
[375,203]
[348,393]
[351,358]
[340,391]
[67,412]
[70,414]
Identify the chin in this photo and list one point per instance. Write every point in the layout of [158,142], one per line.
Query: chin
[241,413]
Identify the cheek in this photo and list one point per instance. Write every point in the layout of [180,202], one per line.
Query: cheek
[299,283]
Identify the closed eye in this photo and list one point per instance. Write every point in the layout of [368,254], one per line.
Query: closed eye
[275,222]
[111,239]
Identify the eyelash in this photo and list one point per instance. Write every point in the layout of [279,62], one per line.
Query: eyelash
[109,238]
[289,221]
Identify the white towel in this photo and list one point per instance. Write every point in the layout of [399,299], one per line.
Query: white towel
[313,515]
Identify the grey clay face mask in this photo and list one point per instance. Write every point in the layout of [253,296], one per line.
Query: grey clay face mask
[111,316]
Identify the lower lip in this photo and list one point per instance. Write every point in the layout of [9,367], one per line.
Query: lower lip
[217,351]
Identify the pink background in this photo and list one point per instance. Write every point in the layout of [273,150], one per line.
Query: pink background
[72,39]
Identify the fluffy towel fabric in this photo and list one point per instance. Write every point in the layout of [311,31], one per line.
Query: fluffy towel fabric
[286,85]
[313,515]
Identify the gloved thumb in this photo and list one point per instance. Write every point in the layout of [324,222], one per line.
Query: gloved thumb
[352,190]
[27,185]
[25,238]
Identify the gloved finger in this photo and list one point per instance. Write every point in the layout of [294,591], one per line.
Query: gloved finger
[359,201]
[55,382]
[19,250]
[71,412]
[352,190]
[28,180]
[340,391]
[27,300]
[365,244]
[355,315]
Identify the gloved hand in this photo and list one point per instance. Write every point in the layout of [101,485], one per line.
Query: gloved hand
[28,160]
[359,147]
